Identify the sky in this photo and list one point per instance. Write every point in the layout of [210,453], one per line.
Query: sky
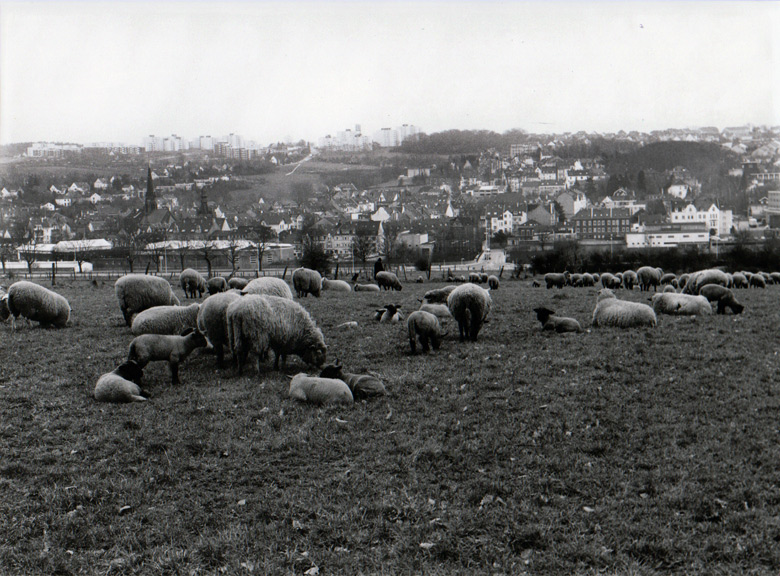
[282,71]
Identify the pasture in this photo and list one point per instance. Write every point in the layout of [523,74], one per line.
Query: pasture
[615,451]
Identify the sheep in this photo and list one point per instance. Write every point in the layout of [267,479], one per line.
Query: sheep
[237,283]
[668,279]
[474,277]
[610,311]
[703,277]
[121,384]
[37,304]
[4,310]
[306,281]
[576,280]
[739,280]
[362,386]
[367,288]
[555,280]
[775,277]
[336,285]
[191,282]
[756,281]
[723,296]
[630,279]
[439,295]
[469,305]
[536,284]
[669,289]
[610,281]
[681,304]
[420,280]
[441,311]
[390,314]
[262,323]
[268,286]
[558,323]
[319,390]
[165,320]
[492,282]
[682,280]
[216,285]
[388,281]
[588,279]
[423,326]
[174,349]
[649,276]
[212,321]
[137,292]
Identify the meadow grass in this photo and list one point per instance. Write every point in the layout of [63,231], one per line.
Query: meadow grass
[638,451]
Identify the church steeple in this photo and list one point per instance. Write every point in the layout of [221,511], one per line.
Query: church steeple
[204,203]
[150,200]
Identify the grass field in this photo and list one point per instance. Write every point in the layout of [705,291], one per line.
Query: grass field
[643,451]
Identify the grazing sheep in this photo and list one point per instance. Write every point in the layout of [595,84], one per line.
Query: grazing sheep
[703,277]
[367,288]
[469,305]
[610,311]
[216,285]
[555,280]
[682,280]
[775,277]
[492,282]
[121,384]
[192,282]
[37,304]
[268,286]
[536,284]
[336,285]
[439,295]
[363,386]
[212,321]
[474,277]
[261,323]
[441,311]
[237,283]
[588,279]
[649,276]
[610,281]
[137,292]
[390,314]
[681,304]
[388,281]
[319,390]
[669,289]
[5,312]
[557,323]
[630,279]
[173,349]
[165,320]
[756,281]
[767,278]
[425,327]
[306,281]
[668,279]
[739,280]
[576,280]
[723,296]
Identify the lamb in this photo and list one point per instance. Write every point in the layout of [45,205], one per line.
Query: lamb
[191,282]
[175,349]
[216,285]
[492,282]
[363,386]
[704,277]
[557,323]
[212,321]
[388,281]
[37,304]
[723,296]
[555,280]
[262,323]
[121,384]
[439,295]
[319,390]
[306,281]
[268,286]
[336,285]
[390,314]
[137,292]
[237,283]
[649,276]
[441,311]
[681,304]
[423,326]
[610,311]
[469,305]
[165,320]
[367,288]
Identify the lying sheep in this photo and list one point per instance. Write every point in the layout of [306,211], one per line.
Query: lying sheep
[439,295]
[336,285]
[237,283]
[469,305]
[367,288]
[259,324]
[425,327]
[173,349]
[216,285]
[212,321]
[165,320]
[681,304]
[610,311]
[306,281]
[363,386]
[268,286]
[492,282]
[192,281]
[121,384]
[137,292]
[557,323]
[723,296]
[441,311]
[648,277]
[37,304]
[319,390]
[390,314]
[388,281]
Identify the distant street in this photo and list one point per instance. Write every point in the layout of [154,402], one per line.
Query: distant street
[298,165]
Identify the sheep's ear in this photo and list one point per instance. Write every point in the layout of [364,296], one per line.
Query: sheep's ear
[188,331]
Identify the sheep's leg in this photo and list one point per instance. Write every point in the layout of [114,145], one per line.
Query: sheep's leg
[413,343]
[435,342]
[424,343]
[174,373]
[220,355]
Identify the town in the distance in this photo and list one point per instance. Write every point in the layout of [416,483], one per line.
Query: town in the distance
[460,199]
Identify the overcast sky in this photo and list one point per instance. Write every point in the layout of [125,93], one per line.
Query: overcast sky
[118,71]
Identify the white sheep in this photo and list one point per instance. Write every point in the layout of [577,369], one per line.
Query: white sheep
[439,295]
[362,386]
[492,282]
[259,324]
[336,285]
[441,311]
[212,321]
[388,281]
[121,384]
[173,349]
[367,288]
[630,279]
[216,285]
[192,282]
[37,304]
[268,286]
[703,277]
[739,280]
[237,283]
[5,312]
[469,305]
[137,292]
[306,281]
[555,280]
[610,281]
[556,323]
[649,276]
[319,390]
[165,320]
[610,311]
[756,281]
[425,327]
[390,314]
[681,304]
[723,296]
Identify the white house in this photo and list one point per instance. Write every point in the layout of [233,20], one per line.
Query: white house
[100,184]
[678,190]
[715,219]
[381,215]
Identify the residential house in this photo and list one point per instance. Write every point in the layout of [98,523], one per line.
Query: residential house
[601,223]
[718,221]
[100,184]
[571,201]
[622,198]
[543,214]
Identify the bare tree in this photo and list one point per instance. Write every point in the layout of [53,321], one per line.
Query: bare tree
[208,251]
[82,252]
[181,250]
[262,235]
[233,253]
[391,231]
[363,245]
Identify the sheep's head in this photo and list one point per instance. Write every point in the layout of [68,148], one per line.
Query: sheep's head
[332,371]
[543,314]
[315,355]
[130,370]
